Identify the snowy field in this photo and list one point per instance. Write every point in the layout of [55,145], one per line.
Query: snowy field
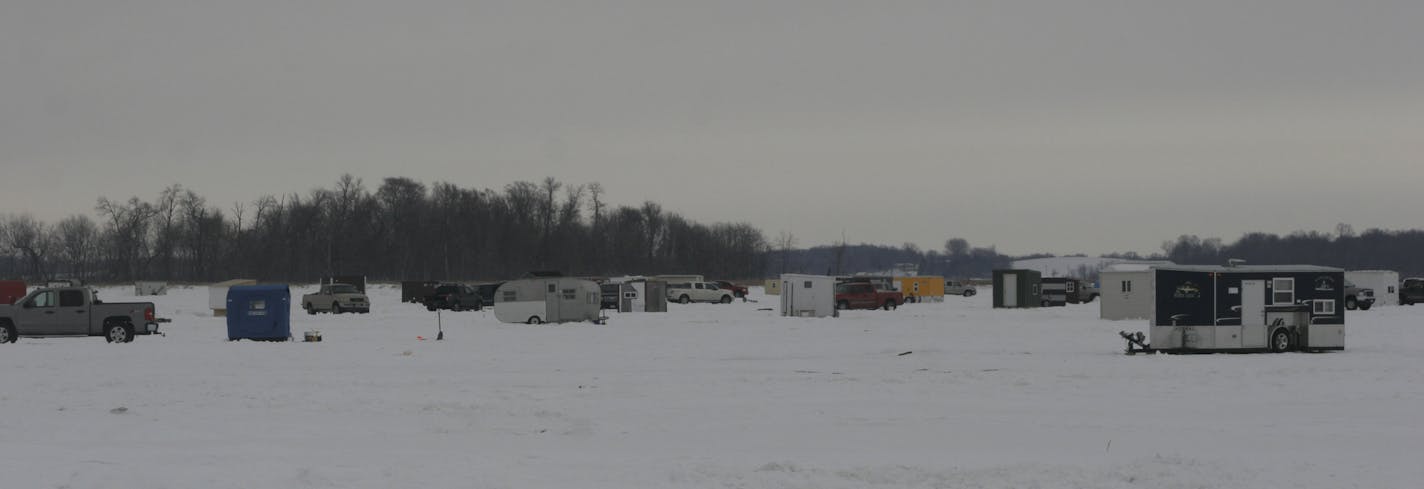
[707,396]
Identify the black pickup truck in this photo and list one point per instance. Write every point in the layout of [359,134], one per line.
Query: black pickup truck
[75,311]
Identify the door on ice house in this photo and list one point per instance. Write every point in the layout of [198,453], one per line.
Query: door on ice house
[1253,313]
[1011,290]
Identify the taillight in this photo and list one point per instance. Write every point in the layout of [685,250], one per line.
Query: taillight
[148,314]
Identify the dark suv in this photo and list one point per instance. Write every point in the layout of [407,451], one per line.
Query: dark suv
[486,292]
[454,297]
[1411,291]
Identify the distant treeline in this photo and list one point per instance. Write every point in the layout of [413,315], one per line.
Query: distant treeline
[1374,249]
[958,259]
[404,230]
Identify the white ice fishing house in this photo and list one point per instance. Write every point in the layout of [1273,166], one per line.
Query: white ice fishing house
[1384,282]
[812,296]
[1124,292]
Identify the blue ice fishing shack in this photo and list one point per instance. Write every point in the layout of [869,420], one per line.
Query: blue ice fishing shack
[259,312]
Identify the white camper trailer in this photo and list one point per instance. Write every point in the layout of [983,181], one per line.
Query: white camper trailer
[150,288]
[808,296]
[1125,292]
[548,300]
[217,294]
[1384,282]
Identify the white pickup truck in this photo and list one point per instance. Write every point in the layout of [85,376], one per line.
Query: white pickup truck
[686,292]
[336,299]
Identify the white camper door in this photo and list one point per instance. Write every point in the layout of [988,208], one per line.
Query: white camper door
[1253,313]
[1011,290]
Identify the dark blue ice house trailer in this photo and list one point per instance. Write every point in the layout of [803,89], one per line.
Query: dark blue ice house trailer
[1203,309]
[259,312]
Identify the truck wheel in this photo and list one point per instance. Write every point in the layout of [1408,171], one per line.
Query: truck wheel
[335,308]
[726,299]
[890,304]
[8,334]
[1365,307]
[534,320]
[968,293]
[684,299]
[117,332]
[1280,340]
[1350,304]
[310,309]
[455,306]
[843,305]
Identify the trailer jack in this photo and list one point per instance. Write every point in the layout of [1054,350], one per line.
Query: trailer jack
[1136,342]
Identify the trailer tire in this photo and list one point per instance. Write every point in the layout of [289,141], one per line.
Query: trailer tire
[534,320]
[1280,340]
[684,299]
[118,332]
[8,333]
[1351,304]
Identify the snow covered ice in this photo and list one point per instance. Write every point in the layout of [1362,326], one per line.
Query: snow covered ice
[706,396]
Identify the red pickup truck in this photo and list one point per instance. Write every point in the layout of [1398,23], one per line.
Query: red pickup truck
[864,295]
[739,291]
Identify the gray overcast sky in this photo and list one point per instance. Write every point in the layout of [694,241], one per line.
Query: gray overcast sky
[1082,126]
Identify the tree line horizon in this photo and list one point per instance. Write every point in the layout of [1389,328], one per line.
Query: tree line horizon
[407,230]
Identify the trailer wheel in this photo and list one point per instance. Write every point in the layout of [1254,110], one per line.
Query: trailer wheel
[8,334]
[118,332]
[534,320]
[684,299]
[1351,304]
[1280,340]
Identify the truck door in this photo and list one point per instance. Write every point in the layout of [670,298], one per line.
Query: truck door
[1253,313]
[38,315]
[73,312]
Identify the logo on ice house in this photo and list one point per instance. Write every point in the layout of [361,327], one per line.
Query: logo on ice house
[1324,284]
[1187,290]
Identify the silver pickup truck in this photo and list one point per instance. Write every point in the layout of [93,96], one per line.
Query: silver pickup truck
[336,299]
[75,311]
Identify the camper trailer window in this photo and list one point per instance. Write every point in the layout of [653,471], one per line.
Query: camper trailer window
[1127,286]
[510,296]
[1282,291]
[806,285]
[551,288]
[257,305]
[570,294]
[1325,307]
[71,298]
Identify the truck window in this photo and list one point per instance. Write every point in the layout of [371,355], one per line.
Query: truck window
[71,298]
[43,299]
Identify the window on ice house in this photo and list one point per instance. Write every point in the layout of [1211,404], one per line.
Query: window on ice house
[257,305]
[1391,289]
[1325,307]
[551,288]
[1282,291]
[1127,286]
[806,285]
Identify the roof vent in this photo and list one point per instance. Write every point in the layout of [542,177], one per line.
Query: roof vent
[1234,262]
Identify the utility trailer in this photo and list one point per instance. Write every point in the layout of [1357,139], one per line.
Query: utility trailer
[1215,309]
